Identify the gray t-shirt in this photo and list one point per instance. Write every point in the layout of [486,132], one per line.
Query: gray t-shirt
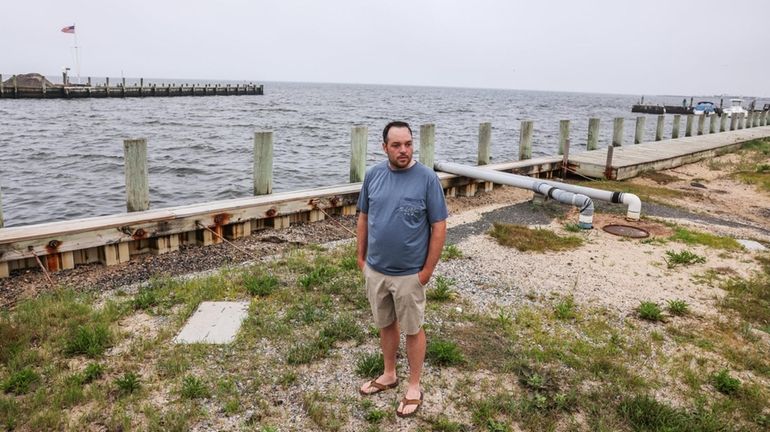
[400,205]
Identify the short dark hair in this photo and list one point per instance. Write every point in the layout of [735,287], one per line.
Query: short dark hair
[396,124]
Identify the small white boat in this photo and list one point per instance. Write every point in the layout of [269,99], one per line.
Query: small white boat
[735,108]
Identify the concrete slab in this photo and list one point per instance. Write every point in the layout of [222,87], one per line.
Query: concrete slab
[214,323]
[752,245]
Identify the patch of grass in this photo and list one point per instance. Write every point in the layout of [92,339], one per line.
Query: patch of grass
[678,307]
[443,424]
[649,311]
[572,227]
[751,297]
[9,413]
[684,257]
[375,416]
[287,378]
[690,237]
[644,413]
[370,365]
[444,353]
[451,252]
[145,299]
[659,177]
[759,178]
[344,328]
[320,411]
[92,372]
[307,352]
[442,291]
[21,382]
[318,276]
[644,192]
[128,383]
[89,339]
[565,309]
[194,388]
[260,285]
[724,383]
[536,240]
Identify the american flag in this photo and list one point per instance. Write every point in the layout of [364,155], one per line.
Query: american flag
[68,29]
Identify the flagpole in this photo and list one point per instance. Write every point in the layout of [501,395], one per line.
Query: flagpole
[77,54]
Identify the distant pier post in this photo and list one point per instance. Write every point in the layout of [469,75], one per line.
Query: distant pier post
[659,127]
[733,121]
[675,127]
[688,126]
[358,144]
[137,181]
[2,223]
[593,134]
[2,87]
[701,123]
[617,132]
[485,142]
[639,133]
[15,87]
[764,117]
[741,117]
[263,162]
[563,135]
[427,144]
[723,122]
[525,140]
[713,126]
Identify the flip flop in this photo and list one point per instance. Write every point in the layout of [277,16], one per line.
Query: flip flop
[379,387]
[406,402]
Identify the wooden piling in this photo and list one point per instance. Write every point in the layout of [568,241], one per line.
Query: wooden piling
[701,123]
[358,145]
[42,88]
[565,160]
[485,142]
[741,119]
[15,87]
[608,163]
[263,162]
[137,182]
[713,126]
[723,122]
[688,126]
[733,121]
[563,135]
[639,133]
[659,127]
[675,127]
[427,144]
[617,132]
[525,140]
[593,134]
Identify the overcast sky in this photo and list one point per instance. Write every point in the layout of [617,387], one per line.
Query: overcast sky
[648,47]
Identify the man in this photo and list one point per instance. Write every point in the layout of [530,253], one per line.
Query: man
[400,233]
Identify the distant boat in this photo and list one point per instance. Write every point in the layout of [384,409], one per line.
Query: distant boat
[735,108]
[705,107]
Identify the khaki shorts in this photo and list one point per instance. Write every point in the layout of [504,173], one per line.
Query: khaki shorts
[393,298]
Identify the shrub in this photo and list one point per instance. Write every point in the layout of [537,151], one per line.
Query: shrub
[649,311]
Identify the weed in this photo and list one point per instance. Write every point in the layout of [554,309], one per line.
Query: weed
[537,240]
[451,252]
[21,382]
[444,353]
[317,408]
[443,290]
[375,416]
[9,411]
[682,258]
[724,383]
[260,285]
[194,388]
[678,307]
[572,227]
[370,365]
[145,299]
[287,378]
[89,339]
[93,372]
[649,311]
[443,424]
[565,309]
[306,352]
[128,383]
[750,297]
[343,328]
[317,276]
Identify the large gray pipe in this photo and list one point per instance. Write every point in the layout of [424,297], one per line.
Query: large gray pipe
[582,202]
[633,202]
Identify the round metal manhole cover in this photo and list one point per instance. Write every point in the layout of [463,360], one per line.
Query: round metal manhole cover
[626,231]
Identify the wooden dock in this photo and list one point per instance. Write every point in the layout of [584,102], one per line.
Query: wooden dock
[115,239]
[42,89]
[630,160]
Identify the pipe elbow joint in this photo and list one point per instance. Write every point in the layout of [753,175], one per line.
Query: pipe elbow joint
[634,206]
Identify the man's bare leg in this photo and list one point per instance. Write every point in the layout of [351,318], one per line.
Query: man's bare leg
[389,338]
[415,352]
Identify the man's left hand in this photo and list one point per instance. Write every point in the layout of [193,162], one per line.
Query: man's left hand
[424,277]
